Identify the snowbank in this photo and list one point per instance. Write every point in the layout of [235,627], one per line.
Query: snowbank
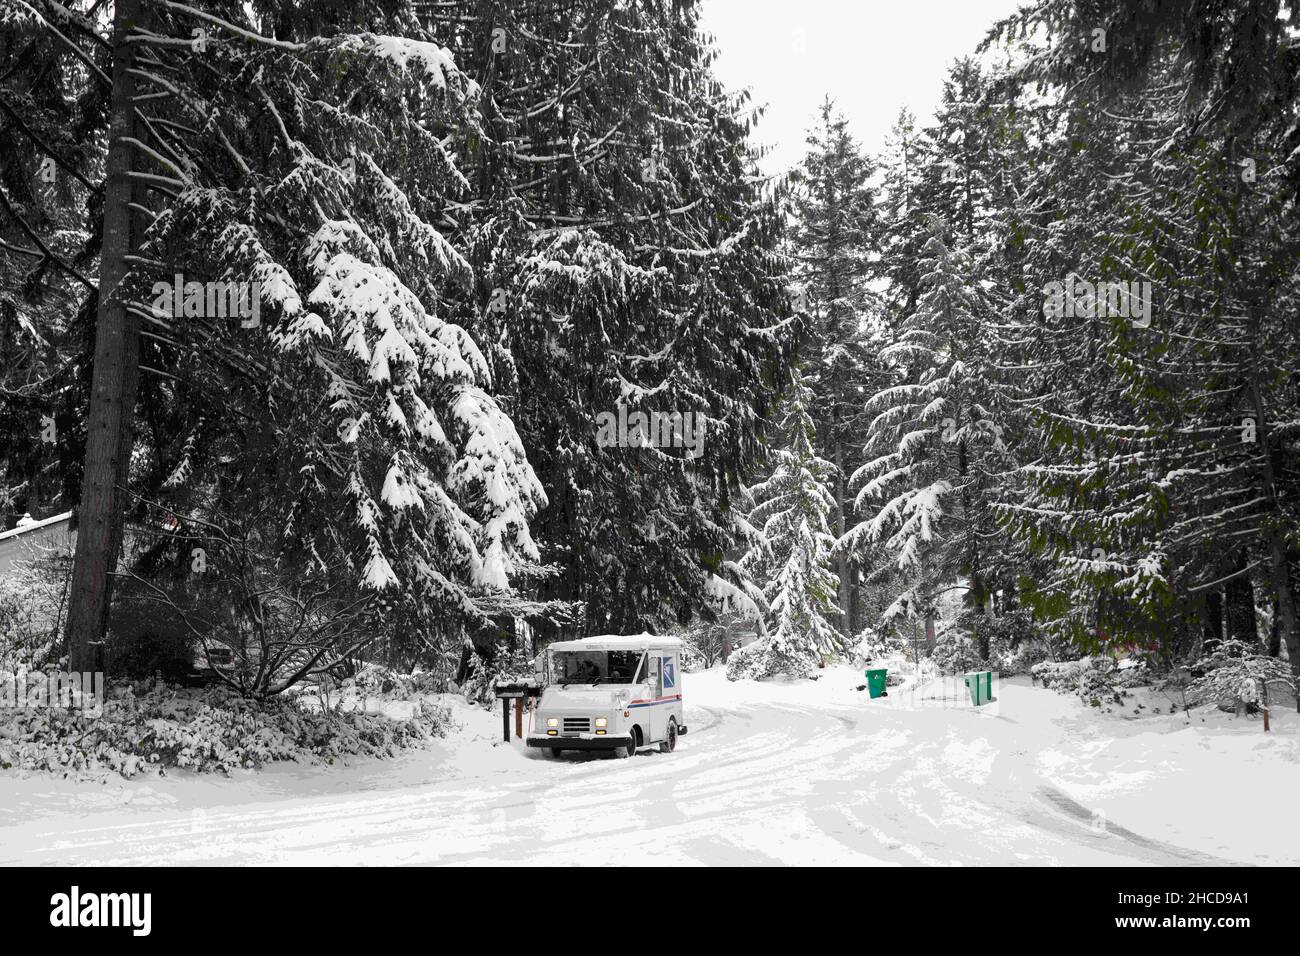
[210,730]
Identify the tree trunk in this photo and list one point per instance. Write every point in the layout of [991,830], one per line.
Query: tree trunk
[1284,597]
[109,426]
[1275,631]
[855,600]
[1214,616]
[1239,600]
[1284,603]
[843,569]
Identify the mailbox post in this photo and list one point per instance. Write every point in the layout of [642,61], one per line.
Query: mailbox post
[519,693]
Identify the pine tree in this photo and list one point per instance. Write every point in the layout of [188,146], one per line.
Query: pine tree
[834,239]
[792,511]
[1164,476]
[458,277]
[324,429]
[116,372]
[51,107]
[935,445]
[1155,497]
[634,247]
[903,225]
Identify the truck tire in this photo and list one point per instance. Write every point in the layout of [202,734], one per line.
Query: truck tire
[629,750]
[556,751]
[669,745]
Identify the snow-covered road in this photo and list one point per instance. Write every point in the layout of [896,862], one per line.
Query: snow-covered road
[800,773]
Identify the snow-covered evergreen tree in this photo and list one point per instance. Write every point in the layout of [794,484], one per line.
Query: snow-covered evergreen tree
[52,104]
[793,509]
[934,445]
[1154,494]
[620,215]
[475,227]
[834,240]
[310,419]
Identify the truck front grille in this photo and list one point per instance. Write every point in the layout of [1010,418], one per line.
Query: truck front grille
[577,725]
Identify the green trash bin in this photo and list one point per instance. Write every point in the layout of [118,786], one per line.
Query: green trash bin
[980,686]
[876,683]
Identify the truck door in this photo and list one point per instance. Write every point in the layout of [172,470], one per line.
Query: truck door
[656,716]
[671,686]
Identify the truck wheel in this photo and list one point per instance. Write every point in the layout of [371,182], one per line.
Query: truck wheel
[556,751]
[669,745]
[629,750]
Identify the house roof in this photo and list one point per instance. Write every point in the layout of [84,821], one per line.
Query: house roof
[26,541]
[24,528]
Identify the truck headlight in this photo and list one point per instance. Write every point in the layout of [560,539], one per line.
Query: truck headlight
[602,721]
[552,722]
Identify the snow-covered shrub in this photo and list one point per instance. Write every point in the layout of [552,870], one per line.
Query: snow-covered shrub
[747,663]
[479,680]
[376,680]
[770,656]
[691,659]
[1009,662]
[955,651]
[1237,677]
[1095,679]
[871,645]
[1097,685]
[1133,671]
[211,730]
[510,664]
[701,644]
[1064,676]
[704,641]
[31,595]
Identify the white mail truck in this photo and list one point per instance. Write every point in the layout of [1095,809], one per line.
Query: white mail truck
[615,693]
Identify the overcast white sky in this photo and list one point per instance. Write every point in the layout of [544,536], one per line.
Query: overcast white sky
[872,56]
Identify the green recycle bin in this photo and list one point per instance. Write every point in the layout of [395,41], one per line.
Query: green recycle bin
[876,683]
[980,686]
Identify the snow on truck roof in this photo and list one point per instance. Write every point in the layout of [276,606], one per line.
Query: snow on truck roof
[616,642]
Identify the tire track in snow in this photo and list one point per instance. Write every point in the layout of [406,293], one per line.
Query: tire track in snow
[1150,850]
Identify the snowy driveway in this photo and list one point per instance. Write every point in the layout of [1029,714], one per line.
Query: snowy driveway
[805,773]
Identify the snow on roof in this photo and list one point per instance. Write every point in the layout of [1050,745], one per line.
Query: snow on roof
[616,642]
[29,525]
